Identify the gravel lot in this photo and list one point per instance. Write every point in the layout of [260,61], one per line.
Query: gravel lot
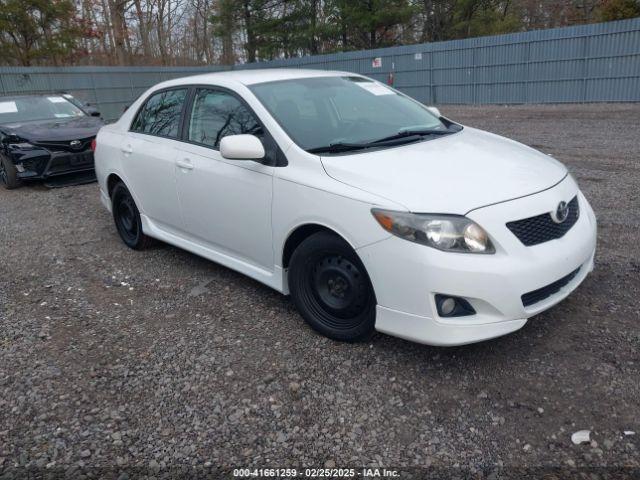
[158,359]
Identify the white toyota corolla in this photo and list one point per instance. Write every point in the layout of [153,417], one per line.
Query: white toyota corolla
[373,211]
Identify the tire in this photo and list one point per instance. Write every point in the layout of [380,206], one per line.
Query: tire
[9,174]
[331,288]
[127,219]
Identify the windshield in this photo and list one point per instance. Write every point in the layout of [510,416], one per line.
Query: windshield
[324,111]
[31,109]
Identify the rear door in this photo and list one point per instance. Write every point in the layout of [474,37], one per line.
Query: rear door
[225,203]
[149,155]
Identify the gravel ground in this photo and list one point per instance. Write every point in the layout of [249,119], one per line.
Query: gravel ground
[157,359]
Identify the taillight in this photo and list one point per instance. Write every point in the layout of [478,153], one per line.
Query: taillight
[93,144]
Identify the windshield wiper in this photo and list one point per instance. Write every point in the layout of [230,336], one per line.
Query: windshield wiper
[412,133]
[338,147]
[403,136]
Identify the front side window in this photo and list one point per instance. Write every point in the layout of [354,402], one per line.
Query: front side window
[161,113]
[323,111]
[216,114]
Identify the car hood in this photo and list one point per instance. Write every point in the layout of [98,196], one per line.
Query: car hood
[452,174]
[55,130]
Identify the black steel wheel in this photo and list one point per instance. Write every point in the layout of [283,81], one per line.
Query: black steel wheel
[8,174]
[127,219]
[331,289]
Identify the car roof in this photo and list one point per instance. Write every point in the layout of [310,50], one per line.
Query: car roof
[253,76]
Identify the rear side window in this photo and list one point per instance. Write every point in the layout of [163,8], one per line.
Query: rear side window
[216,114]
[160,114]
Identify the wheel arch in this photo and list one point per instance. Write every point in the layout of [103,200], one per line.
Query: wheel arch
[300,233]
[115,177]
[112,180]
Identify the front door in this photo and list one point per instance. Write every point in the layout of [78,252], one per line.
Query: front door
[225,203]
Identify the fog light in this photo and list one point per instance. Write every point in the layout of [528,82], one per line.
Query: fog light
[447,306]
[453,306]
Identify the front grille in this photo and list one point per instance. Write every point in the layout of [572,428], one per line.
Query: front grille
[540,294]
[63,146]
[541,228]
[61,162]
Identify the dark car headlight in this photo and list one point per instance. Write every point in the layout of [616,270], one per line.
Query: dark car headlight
[22,146]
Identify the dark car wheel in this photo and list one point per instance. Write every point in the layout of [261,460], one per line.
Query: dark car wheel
[331,289]
[8,174]
[127,219]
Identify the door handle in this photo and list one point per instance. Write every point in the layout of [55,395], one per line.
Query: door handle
[127,150]
[185,164]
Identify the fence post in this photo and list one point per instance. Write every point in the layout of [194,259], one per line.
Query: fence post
[585,54]
[527,80]
[432,93]
[49,83]
[474,86]
[131,87]
[95,91]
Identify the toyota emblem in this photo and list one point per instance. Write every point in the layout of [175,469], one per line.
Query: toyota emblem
[561,213]
[75,144]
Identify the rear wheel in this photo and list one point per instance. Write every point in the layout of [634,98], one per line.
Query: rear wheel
[8,174]
[127,219]
[331,289]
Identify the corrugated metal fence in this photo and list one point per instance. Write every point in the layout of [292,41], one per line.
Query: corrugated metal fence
[586,63]
[108,88]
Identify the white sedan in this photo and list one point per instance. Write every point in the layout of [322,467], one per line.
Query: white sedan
[371,210]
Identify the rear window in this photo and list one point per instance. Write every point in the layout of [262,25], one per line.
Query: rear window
[161,114]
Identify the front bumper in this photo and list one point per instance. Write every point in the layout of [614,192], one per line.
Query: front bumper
[42,164]
[406,276]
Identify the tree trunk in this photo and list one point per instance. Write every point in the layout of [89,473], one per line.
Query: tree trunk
[248,25]
[313,40]
[144,30]
[372,32]
[226,12]
[160,32]
[206,37]
[116,10]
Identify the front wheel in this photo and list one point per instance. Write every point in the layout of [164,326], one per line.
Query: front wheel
[331,288]
[8,174]
[127,219]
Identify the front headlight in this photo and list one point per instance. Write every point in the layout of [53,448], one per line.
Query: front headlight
[450,233]
[22,146]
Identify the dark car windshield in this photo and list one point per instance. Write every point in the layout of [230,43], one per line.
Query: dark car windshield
[31,109]
[324,111]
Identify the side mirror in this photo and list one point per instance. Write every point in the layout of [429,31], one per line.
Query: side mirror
[93,111]
[435,111]
[242,147]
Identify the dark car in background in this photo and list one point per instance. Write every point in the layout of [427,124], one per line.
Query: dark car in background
[45,136]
